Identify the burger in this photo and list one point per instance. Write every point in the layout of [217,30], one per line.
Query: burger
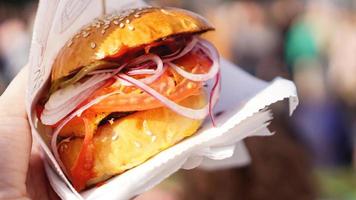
[126,87]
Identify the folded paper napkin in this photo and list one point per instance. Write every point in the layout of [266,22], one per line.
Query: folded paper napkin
[243,108]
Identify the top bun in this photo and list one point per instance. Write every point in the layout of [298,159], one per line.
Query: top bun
[116,33]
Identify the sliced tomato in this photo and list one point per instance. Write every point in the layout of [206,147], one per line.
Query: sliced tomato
[75,127]
[39,109]
[170,84]
[82,170]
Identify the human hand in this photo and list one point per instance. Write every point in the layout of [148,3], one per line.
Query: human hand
[22,174]
[21,170]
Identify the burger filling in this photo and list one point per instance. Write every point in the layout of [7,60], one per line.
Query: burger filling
[161,74]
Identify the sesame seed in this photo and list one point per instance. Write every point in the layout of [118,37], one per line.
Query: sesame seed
[116,22]
[103,31]
[190,85]
[113,48]
[138,145]
[153,138]
[86,34]
[137,15]
[70,43]
[92,45]
[77,36]
[127,21]
[100,55]
[146,128]
[164,11]
[106,26]
[148,132]
[122,25]
[115,137]
[111,121]
[131,28]
[169,91]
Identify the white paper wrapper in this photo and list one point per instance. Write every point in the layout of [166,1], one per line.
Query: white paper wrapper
[242,105]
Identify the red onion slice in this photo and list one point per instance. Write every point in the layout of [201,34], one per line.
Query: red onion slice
[214,96]
[110,71]
[64,101]
[213,55]
[62,96]
[186,50]
[184,111]
[155,75]
[51,117]
[101,71]
[174,53]
[159,70]
[141,72]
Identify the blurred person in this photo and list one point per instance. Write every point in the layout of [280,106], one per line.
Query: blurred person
[342,68]
[243,34]
[321,117]
[15,33]
[342,60]
[14,46]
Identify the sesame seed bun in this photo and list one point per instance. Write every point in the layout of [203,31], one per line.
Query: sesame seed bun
[114,33]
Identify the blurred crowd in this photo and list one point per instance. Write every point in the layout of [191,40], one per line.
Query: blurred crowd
[310,42]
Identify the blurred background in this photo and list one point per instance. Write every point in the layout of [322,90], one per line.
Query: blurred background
[313,154]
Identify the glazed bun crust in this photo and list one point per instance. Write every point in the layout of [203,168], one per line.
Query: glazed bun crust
[118,33]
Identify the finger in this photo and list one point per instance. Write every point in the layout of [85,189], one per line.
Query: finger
[15,137]
[12,102]
[38,186]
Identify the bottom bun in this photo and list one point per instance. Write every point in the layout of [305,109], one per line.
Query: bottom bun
[130,141]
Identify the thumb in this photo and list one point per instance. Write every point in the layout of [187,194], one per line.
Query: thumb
[12,101]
